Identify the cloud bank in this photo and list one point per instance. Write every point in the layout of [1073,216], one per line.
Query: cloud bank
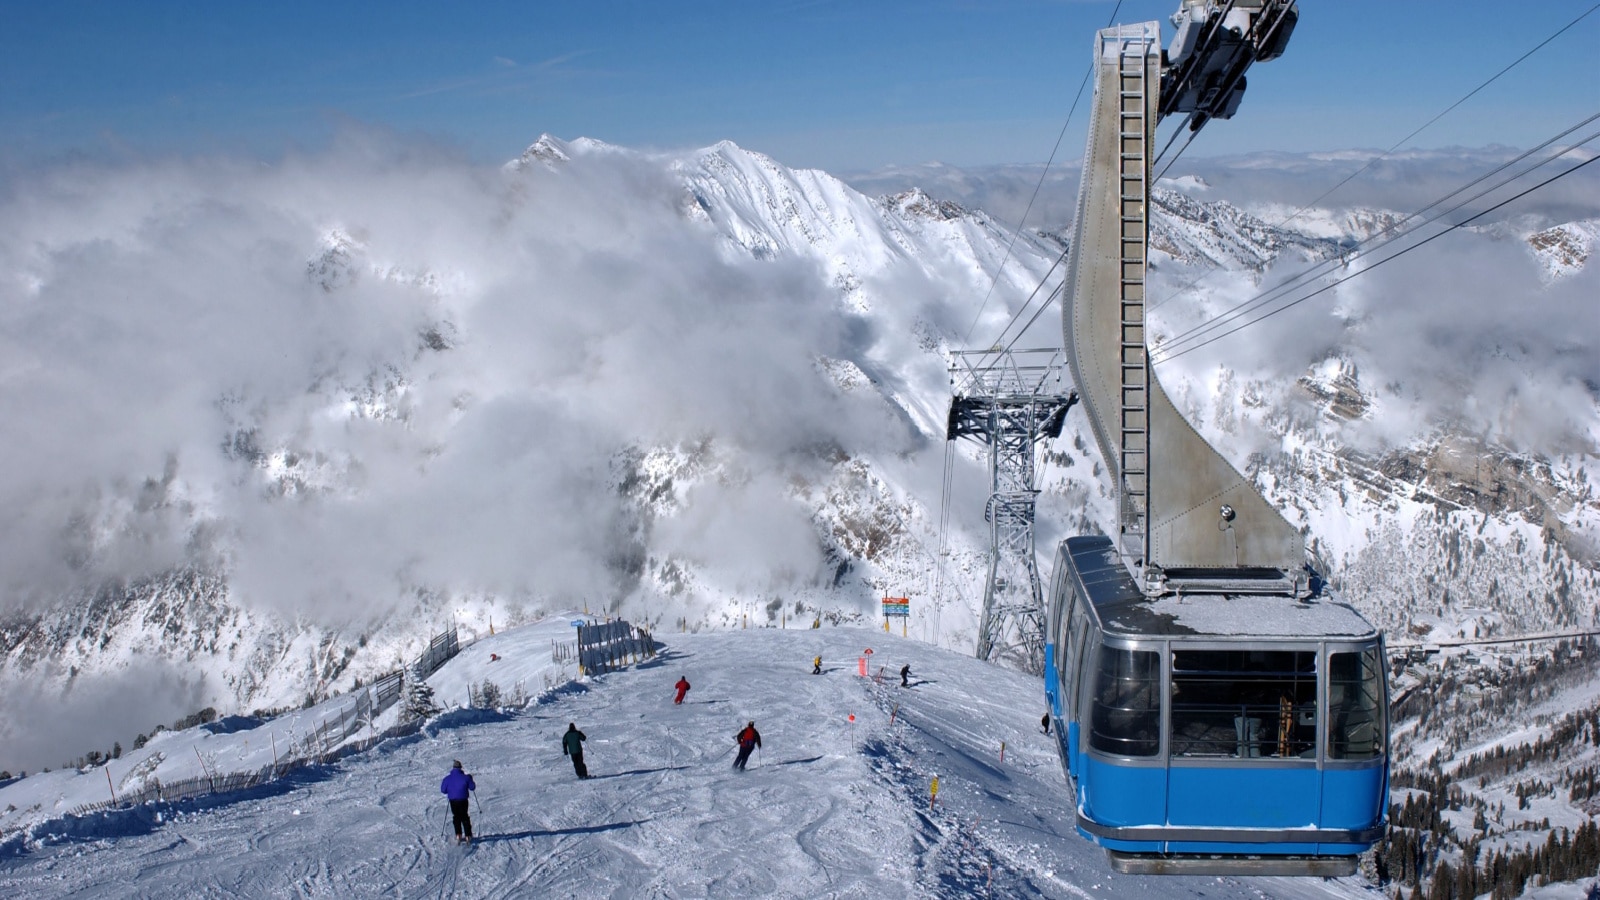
[380,366]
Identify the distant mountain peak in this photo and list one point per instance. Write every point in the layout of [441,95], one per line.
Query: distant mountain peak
[547,150]
[1336,384]
[1217,233]
[1565,249]
[916,203]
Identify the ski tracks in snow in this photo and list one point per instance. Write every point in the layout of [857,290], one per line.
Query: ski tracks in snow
[807,838]
[826,809]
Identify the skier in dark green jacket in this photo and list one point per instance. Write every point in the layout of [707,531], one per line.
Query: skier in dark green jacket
[572,745]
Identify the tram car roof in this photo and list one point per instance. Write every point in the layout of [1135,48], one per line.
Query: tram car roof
[1123,610]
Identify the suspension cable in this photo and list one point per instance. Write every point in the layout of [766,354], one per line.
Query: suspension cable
[1397,145]
[1050,300]
[944,530]
[1396,255]
[1389,234]
[1163,173]
[949,459]
[967,339]
[1045,279]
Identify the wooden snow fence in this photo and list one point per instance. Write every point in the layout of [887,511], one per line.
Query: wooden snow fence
[157,791]
[327,743]
[441,649]
[606,646]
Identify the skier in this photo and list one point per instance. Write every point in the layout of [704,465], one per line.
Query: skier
[749,739]
[572,745]
[816,666]
[455,787]
[1045,723]
[683,688]
[905,674]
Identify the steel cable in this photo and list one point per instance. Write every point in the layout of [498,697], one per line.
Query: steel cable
[1397,145]
[1388,235]
[1396,255]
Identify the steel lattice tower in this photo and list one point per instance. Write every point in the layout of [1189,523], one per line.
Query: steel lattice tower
[1009,401]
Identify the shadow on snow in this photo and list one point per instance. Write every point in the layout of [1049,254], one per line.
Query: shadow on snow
[556,832]
[638,772]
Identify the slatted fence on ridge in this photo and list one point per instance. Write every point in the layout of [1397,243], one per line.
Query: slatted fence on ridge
[605,646]
[326,743]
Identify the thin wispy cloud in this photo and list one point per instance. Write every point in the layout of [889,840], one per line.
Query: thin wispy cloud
[506,74]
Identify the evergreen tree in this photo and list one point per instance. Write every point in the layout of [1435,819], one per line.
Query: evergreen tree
[488,695]
[419,701]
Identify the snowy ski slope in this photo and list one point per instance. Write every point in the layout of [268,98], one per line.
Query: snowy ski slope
[826,809]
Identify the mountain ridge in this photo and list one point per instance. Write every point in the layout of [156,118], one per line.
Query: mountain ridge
[845,488]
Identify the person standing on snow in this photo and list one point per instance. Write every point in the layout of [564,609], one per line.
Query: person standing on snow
[572,745]
[455,787]
[683,688]
[905,675]
[749,739]
[816,666]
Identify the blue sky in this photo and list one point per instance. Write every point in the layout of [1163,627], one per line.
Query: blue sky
[843,85]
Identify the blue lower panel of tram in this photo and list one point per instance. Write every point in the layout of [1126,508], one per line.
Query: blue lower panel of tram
[1263,809]
[1066,730]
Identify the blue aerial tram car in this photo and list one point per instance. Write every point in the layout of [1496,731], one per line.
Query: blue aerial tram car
[1213,733]
[1216,713]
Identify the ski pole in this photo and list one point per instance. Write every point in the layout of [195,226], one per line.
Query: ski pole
[758,756]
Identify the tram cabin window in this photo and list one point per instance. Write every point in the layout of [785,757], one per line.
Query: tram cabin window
[1355,705]
[1069,615]
[1248,704]
[1080,657]
[1127,703]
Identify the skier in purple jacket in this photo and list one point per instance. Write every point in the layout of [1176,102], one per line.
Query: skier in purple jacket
[455,787]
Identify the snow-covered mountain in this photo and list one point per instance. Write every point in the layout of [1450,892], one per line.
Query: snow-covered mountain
[692,388]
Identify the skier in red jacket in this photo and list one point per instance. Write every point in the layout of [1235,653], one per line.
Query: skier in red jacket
[749,739]
[683,688]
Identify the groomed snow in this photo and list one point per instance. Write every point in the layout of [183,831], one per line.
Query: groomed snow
[826,809]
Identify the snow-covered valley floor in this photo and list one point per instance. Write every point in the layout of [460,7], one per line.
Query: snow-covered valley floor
[826,808]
